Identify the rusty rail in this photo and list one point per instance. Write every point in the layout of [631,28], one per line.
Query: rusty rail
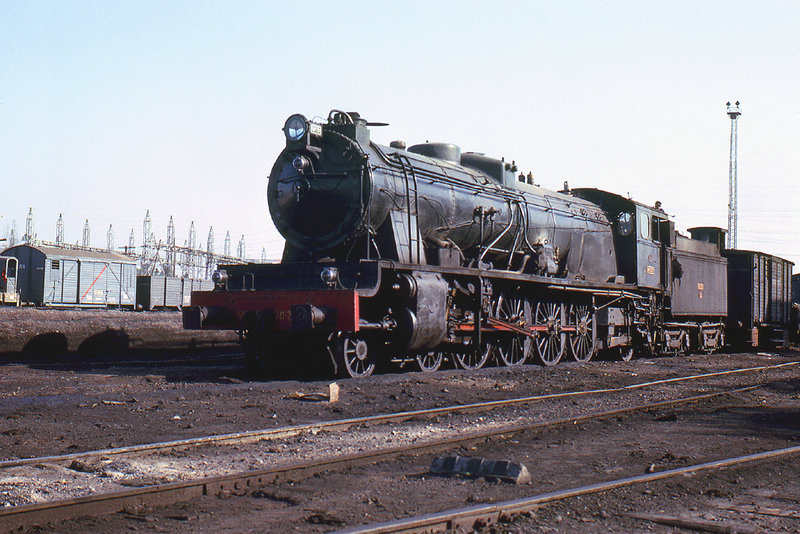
[464,519]
[15,517]
[343,424]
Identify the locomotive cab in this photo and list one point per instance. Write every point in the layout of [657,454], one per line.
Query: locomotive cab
[642,236]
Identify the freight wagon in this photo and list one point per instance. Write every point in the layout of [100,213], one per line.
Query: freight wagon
[54,276]
[160,292]
[759,293]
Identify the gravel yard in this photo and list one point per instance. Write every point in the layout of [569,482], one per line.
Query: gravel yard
[149,392]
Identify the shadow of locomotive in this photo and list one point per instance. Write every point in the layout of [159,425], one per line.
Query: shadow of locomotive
[115,351]
[54,347]
[48,346]
[109,342]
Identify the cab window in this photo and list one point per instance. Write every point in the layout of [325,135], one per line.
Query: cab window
[644,225]
[655,234]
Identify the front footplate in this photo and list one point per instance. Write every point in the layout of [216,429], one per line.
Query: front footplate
[298,310]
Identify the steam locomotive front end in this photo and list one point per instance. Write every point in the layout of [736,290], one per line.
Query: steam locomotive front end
[320,186]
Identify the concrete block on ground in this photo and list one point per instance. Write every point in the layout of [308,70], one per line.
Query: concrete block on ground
[473,467]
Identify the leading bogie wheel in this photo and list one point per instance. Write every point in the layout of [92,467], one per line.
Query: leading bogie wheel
[353,356]
[430,361]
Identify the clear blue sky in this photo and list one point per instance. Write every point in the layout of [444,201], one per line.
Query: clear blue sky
[109,109]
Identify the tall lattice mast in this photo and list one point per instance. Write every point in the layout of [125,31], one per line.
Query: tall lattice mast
[210,253]
[30,236]
[191,245]
[131,244]
[110,238]
[87,235]
[227,248]
[171,247]
[146,232]
[733,112]
[60,230]
[241,249]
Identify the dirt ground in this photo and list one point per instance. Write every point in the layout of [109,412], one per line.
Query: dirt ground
[58,334]
[49,407]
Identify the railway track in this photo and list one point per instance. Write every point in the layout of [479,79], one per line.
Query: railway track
[344,424]
[241,483]
[465,519]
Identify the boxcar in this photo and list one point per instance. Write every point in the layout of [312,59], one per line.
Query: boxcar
[54,276]
[155,291]
[150,291]
[190,285]
[760,298]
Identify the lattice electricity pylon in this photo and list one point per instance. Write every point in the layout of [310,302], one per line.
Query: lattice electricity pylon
[169,267]
[87,235]
[241,249]
[210,264]
[191,261]
[110,238]
[146,242]
[60,229]
[733,112]
[30,235]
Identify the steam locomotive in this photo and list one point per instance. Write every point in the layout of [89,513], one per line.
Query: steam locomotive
[425,254]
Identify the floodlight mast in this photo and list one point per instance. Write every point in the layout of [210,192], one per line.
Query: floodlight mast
[733,112]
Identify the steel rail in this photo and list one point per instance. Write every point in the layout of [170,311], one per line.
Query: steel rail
[242,483]
[343,424]
[463,519]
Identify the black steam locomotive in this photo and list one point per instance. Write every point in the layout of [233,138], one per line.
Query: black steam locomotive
[426,253]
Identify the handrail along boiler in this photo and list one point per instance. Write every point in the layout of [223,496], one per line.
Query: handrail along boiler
[427,254]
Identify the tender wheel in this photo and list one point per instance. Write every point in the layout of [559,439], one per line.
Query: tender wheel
[685,349]
[353,356]
[581,341]
[513,349]
[551,343]
[430,361]
[467,358]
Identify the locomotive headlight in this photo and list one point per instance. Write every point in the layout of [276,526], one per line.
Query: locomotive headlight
[300,163]
[219,277]
[295,127]
[330,275]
